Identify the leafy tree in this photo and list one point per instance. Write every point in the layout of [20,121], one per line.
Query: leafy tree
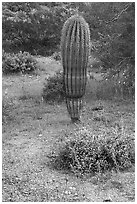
[113,35]
[32,26]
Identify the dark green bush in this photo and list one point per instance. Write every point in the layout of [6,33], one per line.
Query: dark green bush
[57,56]
[53,88]
[85,153]
[20,62]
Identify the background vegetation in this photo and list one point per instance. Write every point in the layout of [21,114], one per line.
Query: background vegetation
[36,28]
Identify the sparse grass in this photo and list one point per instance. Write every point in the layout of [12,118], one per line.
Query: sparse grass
[6,111]
[108,90]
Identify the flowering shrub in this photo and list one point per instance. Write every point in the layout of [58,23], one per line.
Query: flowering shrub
[20,62]
[84,152]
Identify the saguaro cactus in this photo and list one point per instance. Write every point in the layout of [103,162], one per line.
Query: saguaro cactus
[75,51]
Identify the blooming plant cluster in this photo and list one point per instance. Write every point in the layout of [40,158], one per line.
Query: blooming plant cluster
[85,152]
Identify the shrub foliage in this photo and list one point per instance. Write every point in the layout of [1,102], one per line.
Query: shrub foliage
[57,56]
[20,62]
[85,153]
[53,88]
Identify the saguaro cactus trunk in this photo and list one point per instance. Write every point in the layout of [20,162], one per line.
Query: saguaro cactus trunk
[75,51]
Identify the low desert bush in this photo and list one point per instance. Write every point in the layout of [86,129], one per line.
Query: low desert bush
[84,152]
[57,56]
[21,62]
[53,88]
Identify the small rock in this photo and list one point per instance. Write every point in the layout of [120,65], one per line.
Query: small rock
[67,192]
[97,108]
[107,200]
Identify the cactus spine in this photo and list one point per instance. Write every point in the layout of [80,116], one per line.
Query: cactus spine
[75,51]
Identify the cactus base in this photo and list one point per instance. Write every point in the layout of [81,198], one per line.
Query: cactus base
[75,120]
[74,106]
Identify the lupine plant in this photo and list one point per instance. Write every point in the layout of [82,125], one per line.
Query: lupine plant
[75,42]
